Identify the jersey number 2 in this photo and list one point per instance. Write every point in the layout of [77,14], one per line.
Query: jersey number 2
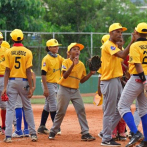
[17,62]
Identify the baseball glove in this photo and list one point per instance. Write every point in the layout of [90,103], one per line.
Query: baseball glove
[4,97]
[94,63]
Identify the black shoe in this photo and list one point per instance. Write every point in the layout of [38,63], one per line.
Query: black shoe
[122,138]
[110,143]
[43,130]
[52,135]
[142,144]
[100,135]
[135,138]
[87,137]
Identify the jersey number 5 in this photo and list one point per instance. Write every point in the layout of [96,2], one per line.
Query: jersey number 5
[17,66]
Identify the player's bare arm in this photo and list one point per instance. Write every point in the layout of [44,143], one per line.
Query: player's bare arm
[46,91]
[99,89]
[67,73]
[123,54]
[34,81]
[29,77]
[87,76]
[6,78]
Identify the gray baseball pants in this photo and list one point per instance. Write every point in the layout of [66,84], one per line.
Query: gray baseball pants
[51,100]
[64,96]
[132,90]
[15,88]
[111,90]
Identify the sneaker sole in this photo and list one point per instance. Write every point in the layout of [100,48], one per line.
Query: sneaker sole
[109,145]
[43,132]
[34,140]
[51,138]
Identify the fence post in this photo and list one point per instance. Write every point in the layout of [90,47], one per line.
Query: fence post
[91,34]
[54,35]
[5,35]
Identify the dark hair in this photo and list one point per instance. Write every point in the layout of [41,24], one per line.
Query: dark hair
[142,35]
[17,41]
[46,48]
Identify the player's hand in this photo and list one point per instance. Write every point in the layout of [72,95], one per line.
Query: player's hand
[92,72]
[76,60]
[30,93]
[46,92]
[33,89]
[4,91]
[145,90]
[134,36]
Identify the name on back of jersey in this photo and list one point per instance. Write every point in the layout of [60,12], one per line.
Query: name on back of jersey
[18,53]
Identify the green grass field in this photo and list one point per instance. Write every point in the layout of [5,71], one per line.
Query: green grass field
[87,100]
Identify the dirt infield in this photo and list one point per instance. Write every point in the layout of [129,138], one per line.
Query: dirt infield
[71,136]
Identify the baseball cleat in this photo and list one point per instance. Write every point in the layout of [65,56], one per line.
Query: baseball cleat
[110,143]
[34,137]
[8,139]
[87,137]
[135,138]
[100,135]
[26,133]
[17,134]
[52,136]
[43,130]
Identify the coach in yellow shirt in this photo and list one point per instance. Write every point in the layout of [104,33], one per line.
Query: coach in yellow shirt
[73,73]
[111,88]
[18,63]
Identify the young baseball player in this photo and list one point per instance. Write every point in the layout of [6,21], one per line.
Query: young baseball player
[18,63]
[111,88]
[5,44]
[50,71]
[2,71]
[73,73]
[19,112]
[134,88]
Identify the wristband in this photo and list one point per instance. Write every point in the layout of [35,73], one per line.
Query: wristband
[142,76]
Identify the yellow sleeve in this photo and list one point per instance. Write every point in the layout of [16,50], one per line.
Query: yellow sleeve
[44,64]
[112,49]
[134,55]
[84,71]
[64,66]
[6,61]
[29,60]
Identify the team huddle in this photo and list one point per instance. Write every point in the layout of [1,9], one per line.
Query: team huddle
[18,82]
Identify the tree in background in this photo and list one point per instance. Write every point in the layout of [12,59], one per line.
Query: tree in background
[22,14]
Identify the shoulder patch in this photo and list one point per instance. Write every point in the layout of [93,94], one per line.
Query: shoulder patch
[130,58]
[63,67]
[112,47]
[44,64]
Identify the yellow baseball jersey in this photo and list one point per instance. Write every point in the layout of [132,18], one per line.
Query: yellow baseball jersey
[52,66]
[77,73]
[138,54]
[2,58]
[18,59]
[111,65]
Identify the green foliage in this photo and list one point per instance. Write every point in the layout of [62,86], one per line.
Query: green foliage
[21,14]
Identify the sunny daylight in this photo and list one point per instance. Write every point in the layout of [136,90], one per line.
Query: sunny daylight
[73,73]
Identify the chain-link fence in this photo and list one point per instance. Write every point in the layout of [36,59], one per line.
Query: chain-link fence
[36,42]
